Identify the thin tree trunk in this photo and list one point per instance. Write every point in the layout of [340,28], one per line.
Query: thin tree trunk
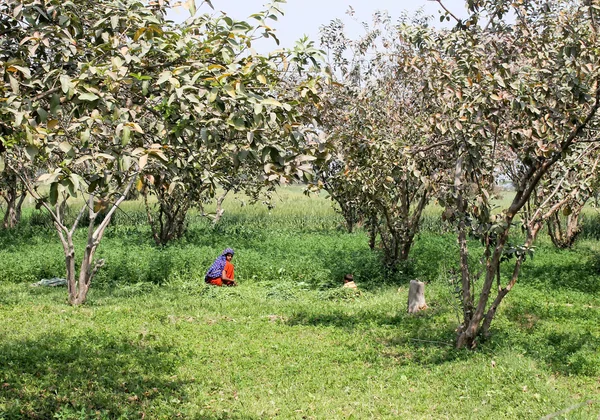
[14,202]
[565,238]
[467,301]
[88,267]
[219,210]
[372,232]
[10,216]
[151,219]
[502,292]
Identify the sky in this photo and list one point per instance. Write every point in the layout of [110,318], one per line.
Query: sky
[304,17]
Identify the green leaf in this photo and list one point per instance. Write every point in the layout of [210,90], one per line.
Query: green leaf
[43,114]
[14,84]
[191,5]
[212,96]
[76,180]
[65,147]
[229,90]
[69,184]
[65,83]
[164,76]
[53,197]
[126,135]
[85,136]
[271,101]
[54,104]
[238,123]
[2,164]
[31,151]
[90,97]
[25,71]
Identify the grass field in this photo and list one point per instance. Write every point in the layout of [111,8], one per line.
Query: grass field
[154,342]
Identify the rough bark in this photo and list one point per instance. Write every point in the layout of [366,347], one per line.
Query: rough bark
[169,222]
[565,237]
[14,199]
[219,210]
[88,268]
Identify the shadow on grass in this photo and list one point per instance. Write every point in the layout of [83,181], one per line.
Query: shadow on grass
[424,338]
[567,352]
[575,270]
[570,353]
[90,375]
[26,235]
[428,338]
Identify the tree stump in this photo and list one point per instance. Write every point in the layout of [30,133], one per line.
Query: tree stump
[416,297]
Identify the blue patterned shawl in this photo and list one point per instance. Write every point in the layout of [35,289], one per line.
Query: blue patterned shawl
[216,270]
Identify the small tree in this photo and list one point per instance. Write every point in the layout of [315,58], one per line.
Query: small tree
[14,193]
[579,184]
[69,86]
[382,174]
[222,110]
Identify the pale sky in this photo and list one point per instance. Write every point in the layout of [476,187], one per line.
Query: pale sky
[306,16]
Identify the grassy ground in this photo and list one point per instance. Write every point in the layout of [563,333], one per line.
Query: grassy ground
[154,342]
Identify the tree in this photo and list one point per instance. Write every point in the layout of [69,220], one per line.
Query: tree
[530,87]
[563,192]
[221,109]
[67,84]
[579,184]
[381,174]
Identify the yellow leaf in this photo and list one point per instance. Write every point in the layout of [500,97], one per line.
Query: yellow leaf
[138,33]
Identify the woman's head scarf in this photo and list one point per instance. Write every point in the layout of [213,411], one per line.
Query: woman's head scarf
[216,270]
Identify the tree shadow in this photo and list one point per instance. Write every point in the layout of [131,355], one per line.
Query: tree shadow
[425,338]
[573,352]
[26,235]
[91,374]
[575,273]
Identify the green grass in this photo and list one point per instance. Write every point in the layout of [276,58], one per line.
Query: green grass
[154,342]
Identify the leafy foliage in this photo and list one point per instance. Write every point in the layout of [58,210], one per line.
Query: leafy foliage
[381,174]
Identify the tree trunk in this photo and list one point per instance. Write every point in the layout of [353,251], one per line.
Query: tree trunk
[219,210]
[169,223]
[405,250]
[416,297]
[14,202]
[372,232]
[564,238]
[10,216]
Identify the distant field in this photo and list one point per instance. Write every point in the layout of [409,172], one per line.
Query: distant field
[154,342]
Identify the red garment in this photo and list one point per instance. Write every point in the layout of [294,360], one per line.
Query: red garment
[218,281]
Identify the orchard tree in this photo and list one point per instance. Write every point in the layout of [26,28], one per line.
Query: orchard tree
[14,192]
[529,86]
[381,173]
[66,83]
[222,110]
